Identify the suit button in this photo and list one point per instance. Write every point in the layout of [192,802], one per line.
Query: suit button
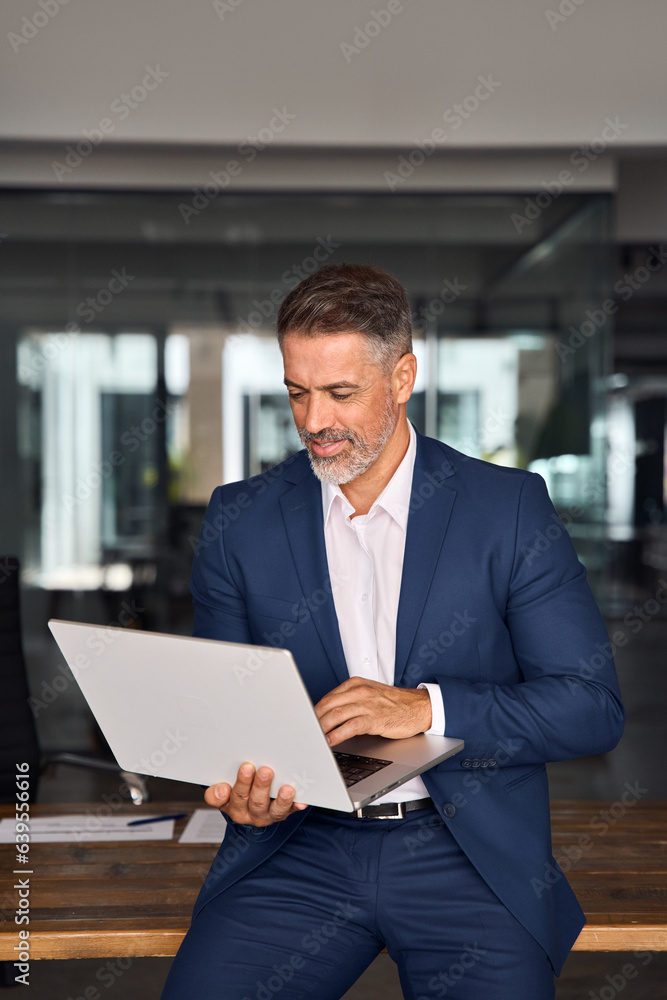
[492,762]
[475,763]
[466,763]
[448,810]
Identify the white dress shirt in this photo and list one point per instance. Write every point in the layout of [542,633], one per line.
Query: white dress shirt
[365,557]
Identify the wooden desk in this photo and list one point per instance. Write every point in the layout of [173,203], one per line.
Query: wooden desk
[105,900]
[621,878]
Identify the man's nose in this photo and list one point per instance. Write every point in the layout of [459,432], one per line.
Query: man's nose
[319,414]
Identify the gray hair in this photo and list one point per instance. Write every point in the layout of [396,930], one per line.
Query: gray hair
[351,298]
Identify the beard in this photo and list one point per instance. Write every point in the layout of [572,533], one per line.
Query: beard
[354,461]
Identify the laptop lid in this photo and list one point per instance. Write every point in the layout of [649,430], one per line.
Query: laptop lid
[195,709]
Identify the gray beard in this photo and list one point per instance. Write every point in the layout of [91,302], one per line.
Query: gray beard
[341,469]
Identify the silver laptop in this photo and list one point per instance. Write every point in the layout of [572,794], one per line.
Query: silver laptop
[195,709]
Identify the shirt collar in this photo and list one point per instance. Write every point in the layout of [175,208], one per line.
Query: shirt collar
[395,497]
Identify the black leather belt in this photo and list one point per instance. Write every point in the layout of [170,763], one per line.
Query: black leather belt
[387,810]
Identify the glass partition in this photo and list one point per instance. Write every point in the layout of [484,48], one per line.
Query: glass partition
[147,370]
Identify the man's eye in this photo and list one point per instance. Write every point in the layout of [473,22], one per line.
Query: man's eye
[338,395]
[295,395]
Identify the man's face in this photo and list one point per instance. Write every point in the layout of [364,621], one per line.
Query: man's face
[342,403]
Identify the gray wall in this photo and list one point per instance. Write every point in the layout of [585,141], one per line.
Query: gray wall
[556,72]
[557,81]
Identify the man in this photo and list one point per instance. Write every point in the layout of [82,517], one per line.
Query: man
[414,588]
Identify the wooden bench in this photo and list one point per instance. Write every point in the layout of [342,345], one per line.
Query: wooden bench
[621,877]
[104,900]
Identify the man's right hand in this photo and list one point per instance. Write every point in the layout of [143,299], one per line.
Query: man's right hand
[248,801]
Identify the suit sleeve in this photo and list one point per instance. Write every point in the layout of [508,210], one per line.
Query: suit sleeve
[219,606]
[568,702]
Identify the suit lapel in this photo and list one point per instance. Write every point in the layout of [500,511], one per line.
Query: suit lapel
[431,503]
[304,524]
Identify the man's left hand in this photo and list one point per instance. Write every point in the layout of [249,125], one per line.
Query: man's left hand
[360,706]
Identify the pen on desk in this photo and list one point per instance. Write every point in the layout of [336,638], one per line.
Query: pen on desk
[156,819]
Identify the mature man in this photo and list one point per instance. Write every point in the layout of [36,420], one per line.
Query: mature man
[416,592]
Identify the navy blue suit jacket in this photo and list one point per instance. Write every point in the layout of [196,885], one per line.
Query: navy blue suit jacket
[494,607]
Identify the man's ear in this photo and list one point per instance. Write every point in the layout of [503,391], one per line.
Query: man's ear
[403,378]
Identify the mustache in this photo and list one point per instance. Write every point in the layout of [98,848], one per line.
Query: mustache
[326,436]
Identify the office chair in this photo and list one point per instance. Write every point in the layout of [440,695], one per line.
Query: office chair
[18,734]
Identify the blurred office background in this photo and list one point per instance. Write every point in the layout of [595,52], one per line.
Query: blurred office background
[168,172]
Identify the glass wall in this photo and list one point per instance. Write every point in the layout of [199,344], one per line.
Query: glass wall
[146,370]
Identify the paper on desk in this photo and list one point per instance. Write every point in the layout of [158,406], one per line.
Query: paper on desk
[87,828]
[205,826]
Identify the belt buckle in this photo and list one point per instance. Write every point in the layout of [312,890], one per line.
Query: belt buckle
[397,815]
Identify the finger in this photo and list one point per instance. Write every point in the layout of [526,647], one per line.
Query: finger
[259,797]
[341,714]
[217,795]
[353,727]
[281,806]
[240,792]
[340,695]
[325,705]
[245,775]
[335,707]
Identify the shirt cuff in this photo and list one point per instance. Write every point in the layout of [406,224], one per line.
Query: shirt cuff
[437,708]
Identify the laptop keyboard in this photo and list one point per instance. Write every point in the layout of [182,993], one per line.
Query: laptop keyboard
[354,768]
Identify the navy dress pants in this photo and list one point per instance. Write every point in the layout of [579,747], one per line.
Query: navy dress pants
[308,921]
